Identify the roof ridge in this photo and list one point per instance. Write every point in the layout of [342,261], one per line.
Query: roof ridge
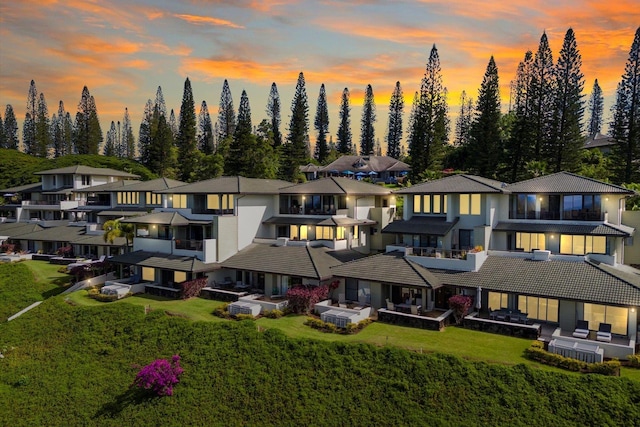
[313,262]
[622,279]
[479,181]
[594,180]
[333,178]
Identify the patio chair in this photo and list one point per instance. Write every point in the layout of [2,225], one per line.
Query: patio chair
[414,310]
[390,306]
[582,329]
[604,332]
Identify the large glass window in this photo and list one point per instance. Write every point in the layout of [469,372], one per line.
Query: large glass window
[148,274]
[128,197]
[430,203]
[470,204]
[153,199]
[498,300]
[580,207]
[179,276]
[324,233]
[539,308]
[582,245]
[617,317]
[178,201]
[417,206]
[530,241]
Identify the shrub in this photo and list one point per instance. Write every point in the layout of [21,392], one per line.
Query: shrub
[192,288]
[7,248]
[244,317]
[160,376]
[222,311]
[535,352]
[273,314]
[460,305]
[65,251]
[634,360]
[351,328]
[303,297]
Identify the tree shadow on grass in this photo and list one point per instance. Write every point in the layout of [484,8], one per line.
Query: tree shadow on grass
[133,396]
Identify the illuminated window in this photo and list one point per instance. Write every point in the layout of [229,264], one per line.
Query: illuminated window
[530,241]
[355,231]
[227,201]
[470,204]
[148,274]
[498,300]
[437,207]
[293,232]
[416,203]
[128,198]
[303,232]
[616,316]
[426,204]
[340,233]
[324,233]
[539,308]
[213,201]
[581,245]
[179,201]
[179,276]
[153,199]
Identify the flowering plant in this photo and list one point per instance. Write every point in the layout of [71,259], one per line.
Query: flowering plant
[460,305]
[160,376]
[303,297]
[193,287]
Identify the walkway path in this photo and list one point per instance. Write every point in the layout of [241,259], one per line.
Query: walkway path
[21,312]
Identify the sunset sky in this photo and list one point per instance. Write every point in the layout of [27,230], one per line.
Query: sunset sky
[123,50]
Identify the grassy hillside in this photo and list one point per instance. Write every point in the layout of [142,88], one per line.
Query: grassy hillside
[17,168]
[73,365]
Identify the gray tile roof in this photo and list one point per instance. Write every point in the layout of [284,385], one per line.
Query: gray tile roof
[301,261]
[421,225]
[330,221]
[87,170]
[27,188]
[544,227]
[576,281]
[155,185]
[64,233]
[336,185]
[367,164]
[16,228]
[123,212]
[97,240]
[164,218]
[456,184]
[566,183]
[108,187]
[390,267]
[599,140]
[163,261]
[230,185]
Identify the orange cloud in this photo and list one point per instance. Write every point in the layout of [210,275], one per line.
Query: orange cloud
[207,20]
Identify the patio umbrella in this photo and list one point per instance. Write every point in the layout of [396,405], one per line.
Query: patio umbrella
[478,298]
[373,173]
[361,174]
[347,172]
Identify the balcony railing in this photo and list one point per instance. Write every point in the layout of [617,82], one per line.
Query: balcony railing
[190,245]
[441,253]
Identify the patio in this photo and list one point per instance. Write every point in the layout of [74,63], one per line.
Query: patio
[435,320]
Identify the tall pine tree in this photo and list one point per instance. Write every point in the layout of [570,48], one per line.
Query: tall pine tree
[542,98]
[344,145]
[226,114]
[173,124]
[626,118]
[186,141]
[367,130]
[296,150]
[321,124]
[243,144]
[11,129]
[430,131]
[88,135]
[596,109]
[273,112]
[43,129]
[394,131]
[564,152]
[3,140]
[162,150]
[127,139]
[485,128]
[144,135]
[463,122]
[110,148]
[204,134]
[519,149]
[29,124]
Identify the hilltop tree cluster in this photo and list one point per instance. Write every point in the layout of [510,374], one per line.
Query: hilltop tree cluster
[544,130]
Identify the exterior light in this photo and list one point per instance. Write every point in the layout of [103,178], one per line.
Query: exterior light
[553,237]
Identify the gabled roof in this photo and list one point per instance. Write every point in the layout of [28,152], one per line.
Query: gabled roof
[97,240]
[599,140]
[108,187]
[300,261]
[163,218]
[457,184]
[230,185]
[582,229]
[421,225]
[163,261]
[64,233]
[87,170]
[16,228]
[341,221]
[566,183]
[27,188]
[366,164]
[390,267]
[576,281]
[336,185]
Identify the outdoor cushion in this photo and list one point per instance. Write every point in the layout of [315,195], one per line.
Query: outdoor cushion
[582,329]
[604,332]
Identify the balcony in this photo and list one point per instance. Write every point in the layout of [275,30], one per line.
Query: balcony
[444,259]
[189,245]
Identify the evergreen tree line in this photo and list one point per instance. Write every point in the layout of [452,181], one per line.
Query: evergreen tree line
[542,132]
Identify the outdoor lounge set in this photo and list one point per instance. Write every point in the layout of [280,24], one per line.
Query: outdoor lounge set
[582,331]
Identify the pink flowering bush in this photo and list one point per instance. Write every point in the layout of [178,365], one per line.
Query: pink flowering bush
[303,297]
[192,288]
[160,376]
[460,305]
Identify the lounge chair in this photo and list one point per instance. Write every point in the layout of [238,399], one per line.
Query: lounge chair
[582,329]
[390,306]
[604,332]
[414,309]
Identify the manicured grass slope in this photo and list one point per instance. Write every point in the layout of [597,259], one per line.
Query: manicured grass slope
[72,365]
[23,283]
